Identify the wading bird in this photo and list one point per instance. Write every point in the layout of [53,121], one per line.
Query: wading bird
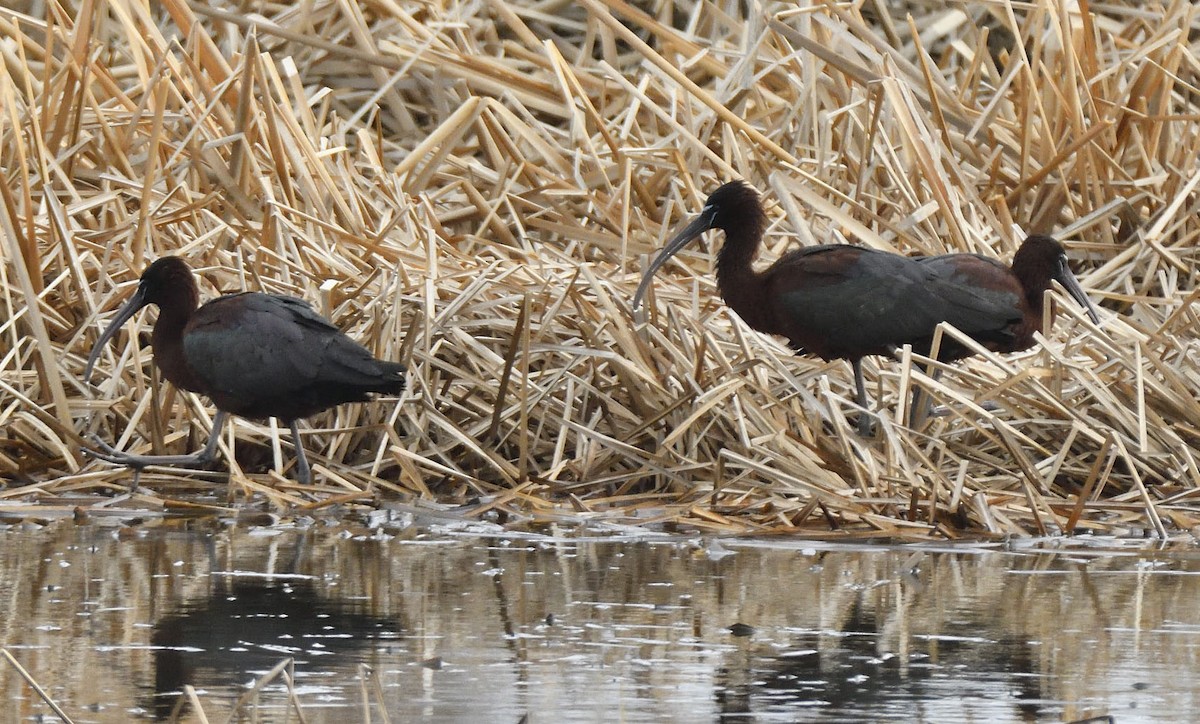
[1022,287]
[838,301]
[254,355]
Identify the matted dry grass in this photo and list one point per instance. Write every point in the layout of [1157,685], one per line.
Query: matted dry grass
[472,187]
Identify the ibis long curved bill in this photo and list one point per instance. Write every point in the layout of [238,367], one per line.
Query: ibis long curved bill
[1063,276]
[685,236]
[123,315]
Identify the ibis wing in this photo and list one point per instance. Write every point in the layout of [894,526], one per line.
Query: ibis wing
[981,295]
[254,347]
[840,301]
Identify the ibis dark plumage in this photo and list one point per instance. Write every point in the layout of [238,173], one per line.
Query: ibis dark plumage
[254,355]
[838,301]
[1019,289]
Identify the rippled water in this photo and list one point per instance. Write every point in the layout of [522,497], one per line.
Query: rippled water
[454,626]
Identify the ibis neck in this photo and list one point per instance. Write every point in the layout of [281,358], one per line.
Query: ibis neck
[1035,282]
[167,340]
[742,288]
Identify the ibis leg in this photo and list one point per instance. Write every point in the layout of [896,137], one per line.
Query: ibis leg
[864,418]
[921,407]
[922,404]
[110,454]
[303,472]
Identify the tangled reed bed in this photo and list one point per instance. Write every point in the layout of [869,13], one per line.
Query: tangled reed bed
[472,187]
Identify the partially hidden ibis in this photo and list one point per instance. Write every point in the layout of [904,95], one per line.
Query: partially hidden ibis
[254,355]
[838,301]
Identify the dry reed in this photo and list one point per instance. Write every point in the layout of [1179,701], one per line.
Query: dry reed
[472,187]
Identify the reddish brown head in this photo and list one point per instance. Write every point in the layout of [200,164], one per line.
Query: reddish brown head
[735,209]
[1040,259]
[168,283]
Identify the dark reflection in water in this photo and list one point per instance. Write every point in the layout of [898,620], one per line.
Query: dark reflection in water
[825,681]
[573,629]
[248,625]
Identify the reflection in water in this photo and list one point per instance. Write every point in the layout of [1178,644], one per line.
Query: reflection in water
[459,628]
[854,675]
[248,625]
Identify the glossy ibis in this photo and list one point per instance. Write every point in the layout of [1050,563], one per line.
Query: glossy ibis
[838,301]
[255,355]
[1020,289]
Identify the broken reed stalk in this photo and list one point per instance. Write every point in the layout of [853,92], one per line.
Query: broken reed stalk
[479,187]
[37,688]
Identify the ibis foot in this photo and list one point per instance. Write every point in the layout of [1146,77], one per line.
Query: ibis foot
[107,453]
[865,419]
[866,424]
[944,410]
[112,455]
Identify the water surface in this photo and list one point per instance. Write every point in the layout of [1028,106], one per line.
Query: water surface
[449,625]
